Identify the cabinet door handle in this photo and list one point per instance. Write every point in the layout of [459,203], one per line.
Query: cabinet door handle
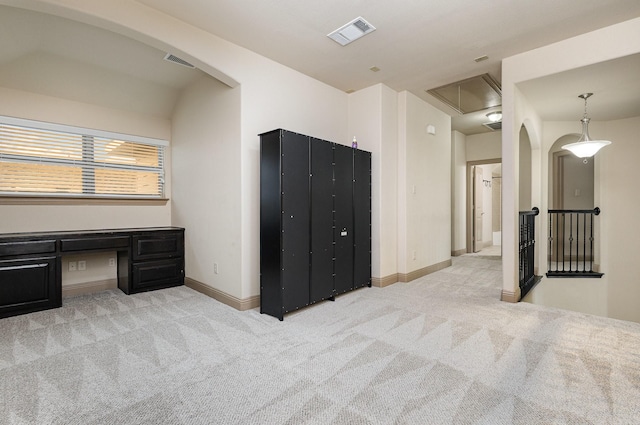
[29,266]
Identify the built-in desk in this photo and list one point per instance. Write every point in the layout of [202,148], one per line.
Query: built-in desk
[31,263]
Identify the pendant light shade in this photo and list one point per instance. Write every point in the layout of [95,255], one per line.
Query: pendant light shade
[585,147]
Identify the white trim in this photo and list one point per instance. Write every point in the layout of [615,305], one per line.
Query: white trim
[42,125]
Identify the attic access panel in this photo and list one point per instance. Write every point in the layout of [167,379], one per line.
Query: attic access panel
[471,95]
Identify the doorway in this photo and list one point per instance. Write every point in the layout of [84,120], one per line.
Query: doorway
[572,182]
[484,207]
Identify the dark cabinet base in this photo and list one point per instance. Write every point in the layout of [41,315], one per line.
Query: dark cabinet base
[30,263]
[156,274]
[28,285]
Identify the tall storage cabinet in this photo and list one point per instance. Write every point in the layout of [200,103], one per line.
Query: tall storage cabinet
[315,221]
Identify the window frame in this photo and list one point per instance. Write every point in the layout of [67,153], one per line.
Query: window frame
[87,197]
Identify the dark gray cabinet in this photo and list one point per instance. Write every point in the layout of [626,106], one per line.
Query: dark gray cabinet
[155,261]
[28,284]
[315,221]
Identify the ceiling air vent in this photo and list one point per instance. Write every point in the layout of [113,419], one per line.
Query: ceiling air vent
[351,31]
[493,125]
[171,58]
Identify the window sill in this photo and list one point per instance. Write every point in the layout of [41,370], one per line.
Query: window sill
[75,200]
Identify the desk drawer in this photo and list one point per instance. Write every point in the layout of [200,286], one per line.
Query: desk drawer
[27,247]
[94,243]
[158,245]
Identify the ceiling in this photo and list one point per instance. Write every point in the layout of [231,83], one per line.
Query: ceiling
[417,45]
[50,55]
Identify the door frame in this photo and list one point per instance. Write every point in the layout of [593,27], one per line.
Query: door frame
[469,208]
[478,208]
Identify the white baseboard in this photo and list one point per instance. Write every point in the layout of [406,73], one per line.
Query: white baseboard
[76,289]
[408,277]
[510,297]
[223,297]
[381,282]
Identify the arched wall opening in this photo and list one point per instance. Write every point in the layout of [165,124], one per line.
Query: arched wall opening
[525,170]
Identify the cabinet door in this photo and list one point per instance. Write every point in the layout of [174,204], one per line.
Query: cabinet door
[343,233]
[28,285]
[270,218]
[362,218]
[159,274]
[321,285]
[295,221]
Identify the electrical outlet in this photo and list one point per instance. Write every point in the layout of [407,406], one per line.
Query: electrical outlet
[82,265]
[215,268]
[112,262]
[414,255]
[72,266]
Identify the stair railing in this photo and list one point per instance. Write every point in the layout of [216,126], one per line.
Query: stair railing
[527,250]
[571,243]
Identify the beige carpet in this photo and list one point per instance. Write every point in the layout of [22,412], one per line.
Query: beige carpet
[438,350]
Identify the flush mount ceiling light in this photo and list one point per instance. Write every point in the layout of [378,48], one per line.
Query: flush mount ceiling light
[351,31]
[495,121]
[585,147]
[494,116]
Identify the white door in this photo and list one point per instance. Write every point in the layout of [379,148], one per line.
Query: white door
[477,208]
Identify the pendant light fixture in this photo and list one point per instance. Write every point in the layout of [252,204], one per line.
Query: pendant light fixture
[585,147]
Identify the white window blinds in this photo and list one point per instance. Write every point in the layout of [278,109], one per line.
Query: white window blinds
[42,159]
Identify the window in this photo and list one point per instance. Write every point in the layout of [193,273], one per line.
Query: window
[43,159]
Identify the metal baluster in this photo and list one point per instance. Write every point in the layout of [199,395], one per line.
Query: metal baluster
[561,258]
[577,242]
[557,241]
[584,244]
[591,247]
[550,253]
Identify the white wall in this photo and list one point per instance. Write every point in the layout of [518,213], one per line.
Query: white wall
[487,206]
[424,185]
[458,192]
[30,216]
[524,166]
[616,294]
[373,120]
[484,146]
[620,203]
[206,182]
[274,96]
[604,44]
[388,201]
[20,217]
[577,183]
[271,96]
